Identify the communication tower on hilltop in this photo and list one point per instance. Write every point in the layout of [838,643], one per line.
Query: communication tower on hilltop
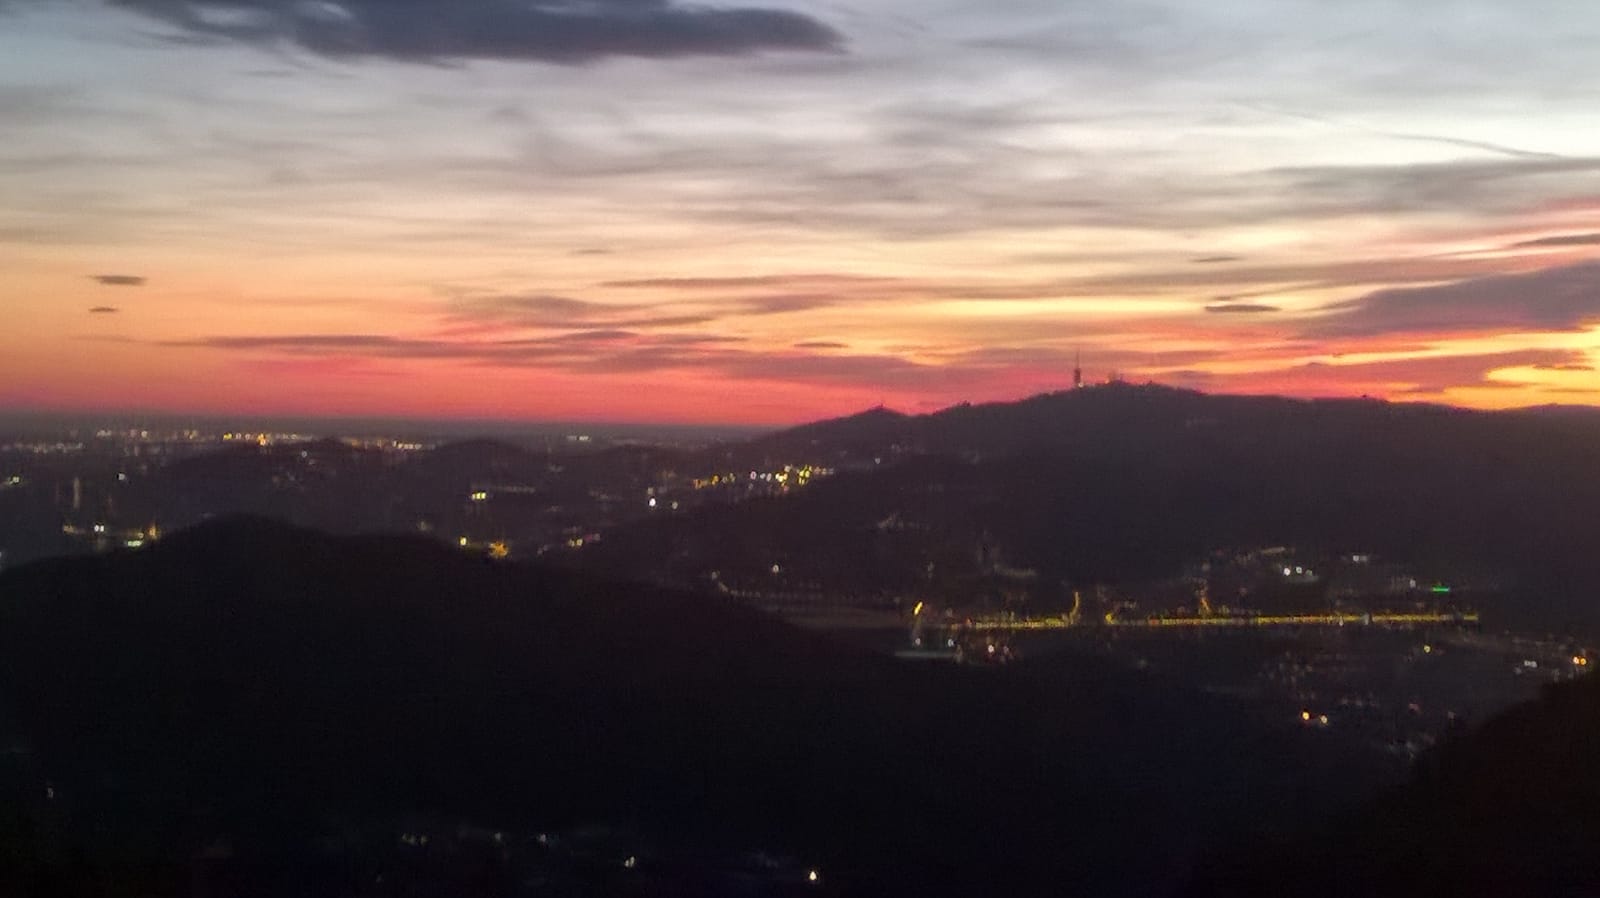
[1077,371]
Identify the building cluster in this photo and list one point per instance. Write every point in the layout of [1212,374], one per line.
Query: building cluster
[776,481]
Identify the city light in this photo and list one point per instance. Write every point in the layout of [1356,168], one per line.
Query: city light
[1338,619]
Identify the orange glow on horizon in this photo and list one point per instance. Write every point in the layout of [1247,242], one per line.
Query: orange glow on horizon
[762,235]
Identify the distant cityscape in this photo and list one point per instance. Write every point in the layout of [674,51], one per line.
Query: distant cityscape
[1386,652]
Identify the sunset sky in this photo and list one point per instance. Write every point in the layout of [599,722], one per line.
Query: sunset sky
[644,210]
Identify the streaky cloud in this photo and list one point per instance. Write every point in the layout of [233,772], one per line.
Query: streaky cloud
[1559,240]
[1241,308]
[1409,377]
[555,31]
[762,280]
[1484,145]
[1560,298]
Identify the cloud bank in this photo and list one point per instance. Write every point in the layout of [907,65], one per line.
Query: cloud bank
[1560,298]
[558,31]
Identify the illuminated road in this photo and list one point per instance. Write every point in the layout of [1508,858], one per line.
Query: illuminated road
[1380,619]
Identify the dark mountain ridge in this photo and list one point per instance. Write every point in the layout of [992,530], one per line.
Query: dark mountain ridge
[1118,416]
[1127,482]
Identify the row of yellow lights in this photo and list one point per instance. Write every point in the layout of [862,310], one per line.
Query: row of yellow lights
[801,475]
[1275,620]
[1265,620]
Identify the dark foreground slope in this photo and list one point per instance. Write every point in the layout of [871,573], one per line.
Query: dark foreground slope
[1512,809]
[270,687]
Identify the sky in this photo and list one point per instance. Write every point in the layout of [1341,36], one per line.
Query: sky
[754,212]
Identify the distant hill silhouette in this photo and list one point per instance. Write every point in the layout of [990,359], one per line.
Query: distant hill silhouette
[1123,481]
[484,457]
[1112,417]
[865,433]
[264,683]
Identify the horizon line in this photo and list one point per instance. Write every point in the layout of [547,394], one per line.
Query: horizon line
[17,414]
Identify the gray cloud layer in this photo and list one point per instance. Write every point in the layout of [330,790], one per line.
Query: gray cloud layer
[561,31]
[605,351]
[1549,299]
[1420,376]
[544,310]
[1560,240]
[1240,308]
